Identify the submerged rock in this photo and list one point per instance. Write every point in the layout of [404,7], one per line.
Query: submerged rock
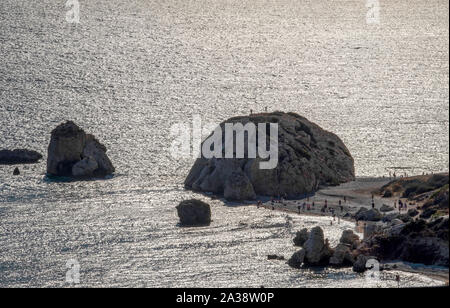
[194,213]
[308,157]
[19,156]
[74,153]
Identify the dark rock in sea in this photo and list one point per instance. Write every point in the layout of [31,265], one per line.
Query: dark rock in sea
[301,237]
[19,156]
[16,171]
[308,157]
[365,214]
[194,213]
[73,153]
[275,257]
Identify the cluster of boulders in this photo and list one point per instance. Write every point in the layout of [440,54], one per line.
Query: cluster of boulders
[73,153]
[194,213]
[19,156]
[308,157]
[316,250]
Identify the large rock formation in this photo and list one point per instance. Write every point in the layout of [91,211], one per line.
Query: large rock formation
[19,156]
[308,157]
[74,153]
[194,213]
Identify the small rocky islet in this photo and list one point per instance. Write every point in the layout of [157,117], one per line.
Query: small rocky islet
[311,158]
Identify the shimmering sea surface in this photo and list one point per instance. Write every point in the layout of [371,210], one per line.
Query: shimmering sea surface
[132,69]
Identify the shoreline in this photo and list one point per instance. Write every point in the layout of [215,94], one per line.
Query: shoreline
[358,194]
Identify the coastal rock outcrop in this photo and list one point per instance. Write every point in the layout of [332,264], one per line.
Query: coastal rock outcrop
[16,171]
[194,213]
[74,153]
[308,157]
[301,237]
[19,156]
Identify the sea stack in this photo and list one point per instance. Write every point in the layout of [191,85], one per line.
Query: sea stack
[308,157]
[73,153]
